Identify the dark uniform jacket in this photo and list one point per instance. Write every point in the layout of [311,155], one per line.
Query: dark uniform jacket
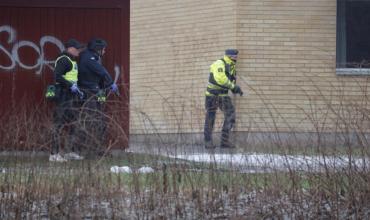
[92,75]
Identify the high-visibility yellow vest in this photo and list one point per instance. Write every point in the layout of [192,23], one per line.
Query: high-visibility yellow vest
[71,75]
[221,77]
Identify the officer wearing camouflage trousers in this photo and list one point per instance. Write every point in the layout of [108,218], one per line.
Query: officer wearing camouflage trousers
[222,78]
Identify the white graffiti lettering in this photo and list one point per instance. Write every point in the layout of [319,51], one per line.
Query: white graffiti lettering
[43,41]
[14,57]
[41,60]
[11,39]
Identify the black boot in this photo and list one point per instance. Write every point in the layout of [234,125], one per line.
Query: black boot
[227,144]
[209,145]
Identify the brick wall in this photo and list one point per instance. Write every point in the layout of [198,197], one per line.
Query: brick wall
[286,64]
[288,47]
[172,46]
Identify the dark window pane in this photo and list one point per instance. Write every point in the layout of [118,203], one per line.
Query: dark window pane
[358,33]
[353,33]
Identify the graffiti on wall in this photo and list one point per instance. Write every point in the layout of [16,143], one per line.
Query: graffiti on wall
[12,55]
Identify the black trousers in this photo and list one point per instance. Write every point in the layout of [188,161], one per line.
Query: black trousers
[93,124]
[65,116]
[224,103]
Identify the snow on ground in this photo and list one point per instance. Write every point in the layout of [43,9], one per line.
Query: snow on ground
[126,169]
[255,162]
[278,162]
[123,169]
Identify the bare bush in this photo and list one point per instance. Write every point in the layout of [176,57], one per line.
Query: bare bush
[32,188]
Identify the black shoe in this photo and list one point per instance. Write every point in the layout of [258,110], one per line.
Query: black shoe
[227,145]
[209,145]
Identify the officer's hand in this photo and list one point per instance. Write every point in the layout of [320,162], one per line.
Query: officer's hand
[237,90]
[81,95]
[114,88]
[74,88]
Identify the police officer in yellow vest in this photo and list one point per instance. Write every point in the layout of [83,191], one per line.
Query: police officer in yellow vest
[222,78]
[66,73]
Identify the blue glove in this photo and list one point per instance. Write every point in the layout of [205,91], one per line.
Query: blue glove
[81,94]
[114,88]
[74,88]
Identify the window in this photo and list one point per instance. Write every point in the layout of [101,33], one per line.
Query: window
[353,36]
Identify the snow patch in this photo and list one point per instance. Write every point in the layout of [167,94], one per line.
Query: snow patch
[117,169]
[126,169]
[145,170]
[279,162]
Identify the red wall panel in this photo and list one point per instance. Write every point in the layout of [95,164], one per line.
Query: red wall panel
[32,34]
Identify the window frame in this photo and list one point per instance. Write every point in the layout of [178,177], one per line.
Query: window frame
[340,49]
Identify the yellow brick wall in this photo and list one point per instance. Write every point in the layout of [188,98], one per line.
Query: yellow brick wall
[172,46]
[286,64]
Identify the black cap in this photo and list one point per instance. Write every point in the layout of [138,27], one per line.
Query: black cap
[73,43]
[231,52]
[97,44]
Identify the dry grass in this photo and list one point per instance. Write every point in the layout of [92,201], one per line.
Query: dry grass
[34,188]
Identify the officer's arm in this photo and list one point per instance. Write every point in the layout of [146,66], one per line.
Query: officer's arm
[219,75]
[233,78]
[62,67]
[97,68]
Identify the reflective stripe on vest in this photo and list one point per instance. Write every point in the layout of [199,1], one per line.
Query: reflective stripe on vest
[71,75]
[214,88]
